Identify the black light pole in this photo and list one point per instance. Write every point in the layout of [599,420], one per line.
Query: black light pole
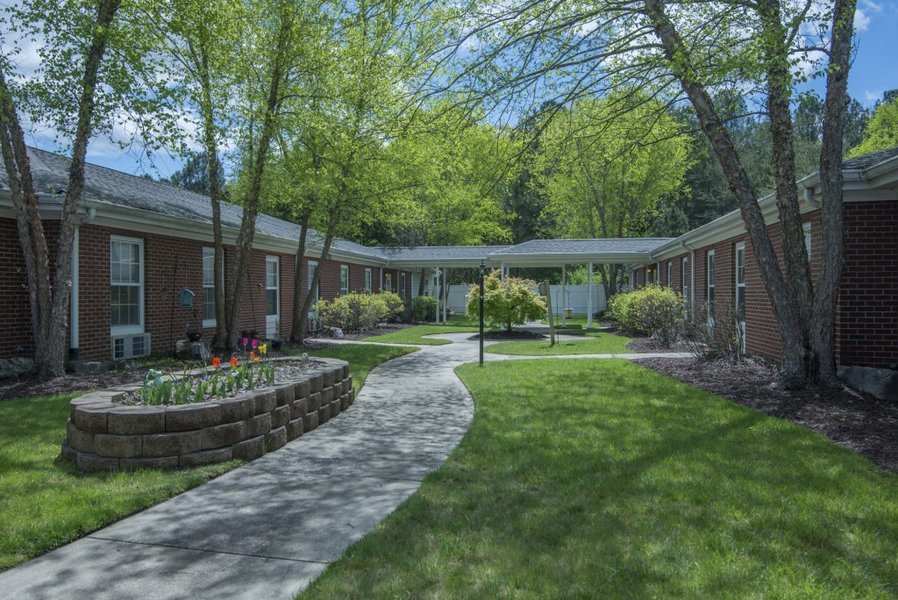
[482,272]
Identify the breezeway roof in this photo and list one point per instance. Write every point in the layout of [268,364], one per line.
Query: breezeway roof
[537,253]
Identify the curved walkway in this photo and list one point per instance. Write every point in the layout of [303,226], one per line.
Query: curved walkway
[267,529]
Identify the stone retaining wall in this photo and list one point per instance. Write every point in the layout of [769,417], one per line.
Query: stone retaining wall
[105,435]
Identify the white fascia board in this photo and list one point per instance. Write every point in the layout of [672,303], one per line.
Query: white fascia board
[558,259]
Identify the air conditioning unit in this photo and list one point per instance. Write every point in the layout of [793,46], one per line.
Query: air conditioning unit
[130,346]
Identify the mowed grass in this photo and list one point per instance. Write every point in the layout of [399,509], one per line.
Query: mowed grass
[413,335]
[600,479]
[591,343]
[361,358]
[45,503]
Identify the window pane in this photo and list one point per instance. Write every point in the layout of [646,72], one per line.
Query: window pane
[271,274]
[271,302]
[209,304]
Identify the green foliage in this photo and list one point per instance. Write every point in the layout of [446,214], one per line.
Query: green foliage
[606,164]
[359,311]
[652,310]
[508,302]
[424,308]
[881,131]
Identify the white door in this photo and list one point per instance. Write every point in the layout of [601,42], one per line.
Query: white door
[272,297]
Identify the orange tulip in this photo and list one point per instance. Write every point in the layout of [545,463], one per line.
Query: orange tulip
[234,362]
[216,362]
[253,356]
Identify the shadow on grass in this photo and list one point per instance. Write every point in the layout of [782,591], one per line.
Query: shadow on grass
[602,478]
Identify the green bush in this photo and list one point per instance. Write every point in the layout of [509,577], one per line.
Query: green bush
[359,311]
[652,310]
[424,308]
[507,302]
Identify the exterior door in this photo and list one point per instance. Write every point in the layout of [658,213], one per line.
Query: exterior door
[272,297]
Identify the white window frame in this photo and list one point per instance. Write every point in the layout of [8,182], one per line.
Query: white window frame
[207,288]
[388,282]
[740,250]
[670,273]
[684,273]
[344,278]
[402,285]
[710,260]
[116,330]
[311,269]
[806,229]
[369,278]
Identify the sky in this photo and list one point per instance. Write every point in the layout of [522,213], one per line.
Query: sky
[875,70]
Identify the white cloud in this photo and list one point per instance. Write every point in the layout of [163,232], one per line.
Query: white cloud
[861,20]
[872,96]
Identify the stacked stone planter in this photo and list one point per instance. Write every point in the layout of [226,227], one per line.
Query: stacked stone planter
[106,435]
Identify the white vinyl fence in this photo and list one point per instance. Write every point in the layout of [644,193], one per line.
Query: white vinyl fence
[575,296]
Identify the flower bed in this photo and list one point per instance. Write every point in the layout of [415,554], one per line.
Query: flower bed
[104,433]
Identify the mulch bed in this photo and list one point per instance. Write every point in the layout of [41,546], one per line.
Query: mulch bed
[381,329]
[852,419]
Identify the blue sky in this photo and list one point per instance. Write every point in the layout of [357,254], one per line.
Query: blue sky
[875,70]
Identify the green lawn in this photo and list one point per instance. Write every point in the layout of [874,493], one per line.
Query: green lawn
[412,335]
[592,343]
[598,478]
[44,504]
[361,358]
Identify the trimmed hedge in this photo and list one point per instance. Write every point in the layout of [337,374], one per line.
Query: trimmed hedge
[507,302]
[652,310]
[359,311]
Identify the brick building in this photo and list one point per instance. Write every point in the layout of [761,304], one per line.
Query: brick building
[715,264]
[139,243]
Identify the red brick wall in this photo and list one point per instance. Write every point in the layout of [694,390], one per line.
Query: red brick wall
[15,326]
[867,330]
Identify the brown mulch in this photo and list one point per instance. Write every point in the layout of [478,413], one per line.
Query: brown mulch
[379,330]
[852,419]
[71,382]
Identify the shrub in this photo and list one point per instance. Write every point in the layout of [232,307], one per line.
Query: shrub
[716,337]
[507,302]
[358,311]
[424,308]
[651,310]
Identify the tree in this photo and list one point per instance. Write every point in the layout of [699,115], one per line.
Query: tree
[881,131]
[78,36]
[194,175]
[506,302]
[671,51]
[605,170]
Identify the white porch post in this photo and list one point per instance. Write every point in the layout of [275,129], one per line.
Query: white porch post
[502,272]
[589,296]
[445,295]
[438,291]
[563,289]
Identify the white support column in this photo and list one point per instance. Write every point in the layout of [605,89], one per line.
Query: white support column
[445,295]
[73,325]
[563,289]
[589,296]
[437,291]
[502,272]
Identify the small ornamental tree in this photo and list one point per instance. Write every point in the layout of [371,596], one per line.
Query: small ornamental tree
[508,302]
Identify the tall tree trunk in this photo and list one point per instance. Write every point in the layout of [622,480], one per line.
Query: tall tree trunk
[784,307]
[826,296]
[50,294]
[247,232]
[300,315]
[210,142]
[325,251]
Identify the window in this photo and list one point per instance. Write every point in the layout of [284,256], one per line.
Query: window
[710,280]
[740,290]
[806,228]
[313,268]
[685,279]
[634,279]
[208,287]
[126,284]
[272,285]
[344,280]
[740,281]
[388,282]
[669,273]
[402,285]
[367,280]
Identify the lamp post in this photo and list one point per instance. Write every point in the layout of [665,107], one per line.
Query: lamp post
[482,273]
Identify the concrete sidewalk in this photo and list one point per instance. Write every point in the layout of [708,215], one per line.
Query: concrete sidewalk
[267,529]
